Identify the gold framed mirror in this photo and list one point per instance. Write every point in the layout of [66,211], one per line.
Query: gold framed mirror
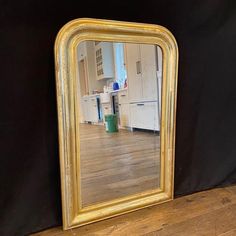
[116,95]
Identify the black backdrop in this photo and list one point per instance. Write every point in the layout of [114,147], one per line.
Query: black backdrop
[206,115]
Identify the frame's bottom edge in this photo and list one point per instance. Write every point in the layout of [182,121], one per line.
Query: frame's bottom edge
[78,223]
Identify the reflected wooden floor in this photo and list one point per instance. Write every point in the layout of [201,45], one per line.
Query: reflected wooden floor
[115,165]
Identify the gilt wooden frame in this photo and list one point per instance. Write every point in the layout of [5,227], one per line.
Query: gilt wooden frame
[66,43]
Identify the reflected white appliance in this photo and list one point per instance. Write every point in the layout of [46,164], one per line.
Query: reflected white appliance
[109,103]
[143,86]
[91,108]
[106,104]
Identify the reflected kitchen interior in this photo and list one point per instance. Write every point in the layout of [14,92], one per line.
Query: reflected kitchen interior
[120,115]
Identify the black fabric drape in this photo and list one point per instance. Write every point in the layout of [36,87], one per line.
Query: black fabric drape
[206,114]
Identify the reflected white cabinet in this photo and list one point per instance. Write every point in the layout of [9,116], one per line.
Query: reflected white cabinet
[90,109]
[124,115]
[124,108]
[149,72]
[145,115]
[93,109]
[85,108]
[104,60]
[141,72]
[134,77]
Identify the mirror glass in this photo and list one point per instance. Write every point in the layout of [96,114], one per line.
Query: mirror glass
[120,119]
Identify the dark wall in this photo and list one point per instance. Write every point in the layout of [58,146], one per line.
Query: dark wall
[206,115]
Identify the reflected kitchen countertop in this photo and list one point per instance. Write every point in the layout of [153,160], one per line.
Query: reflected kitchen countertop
[91,95]
[111,91]
[119,90]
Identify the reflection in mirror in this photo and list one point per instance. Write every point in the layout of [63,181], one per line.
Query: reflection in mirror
[120,114]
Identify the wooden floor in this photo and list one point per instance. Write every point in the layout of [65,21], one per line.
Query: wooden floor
[115,165]
[209,213]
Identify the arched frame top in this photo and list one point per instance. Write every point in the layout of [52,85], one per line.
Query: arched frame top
[66,44]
